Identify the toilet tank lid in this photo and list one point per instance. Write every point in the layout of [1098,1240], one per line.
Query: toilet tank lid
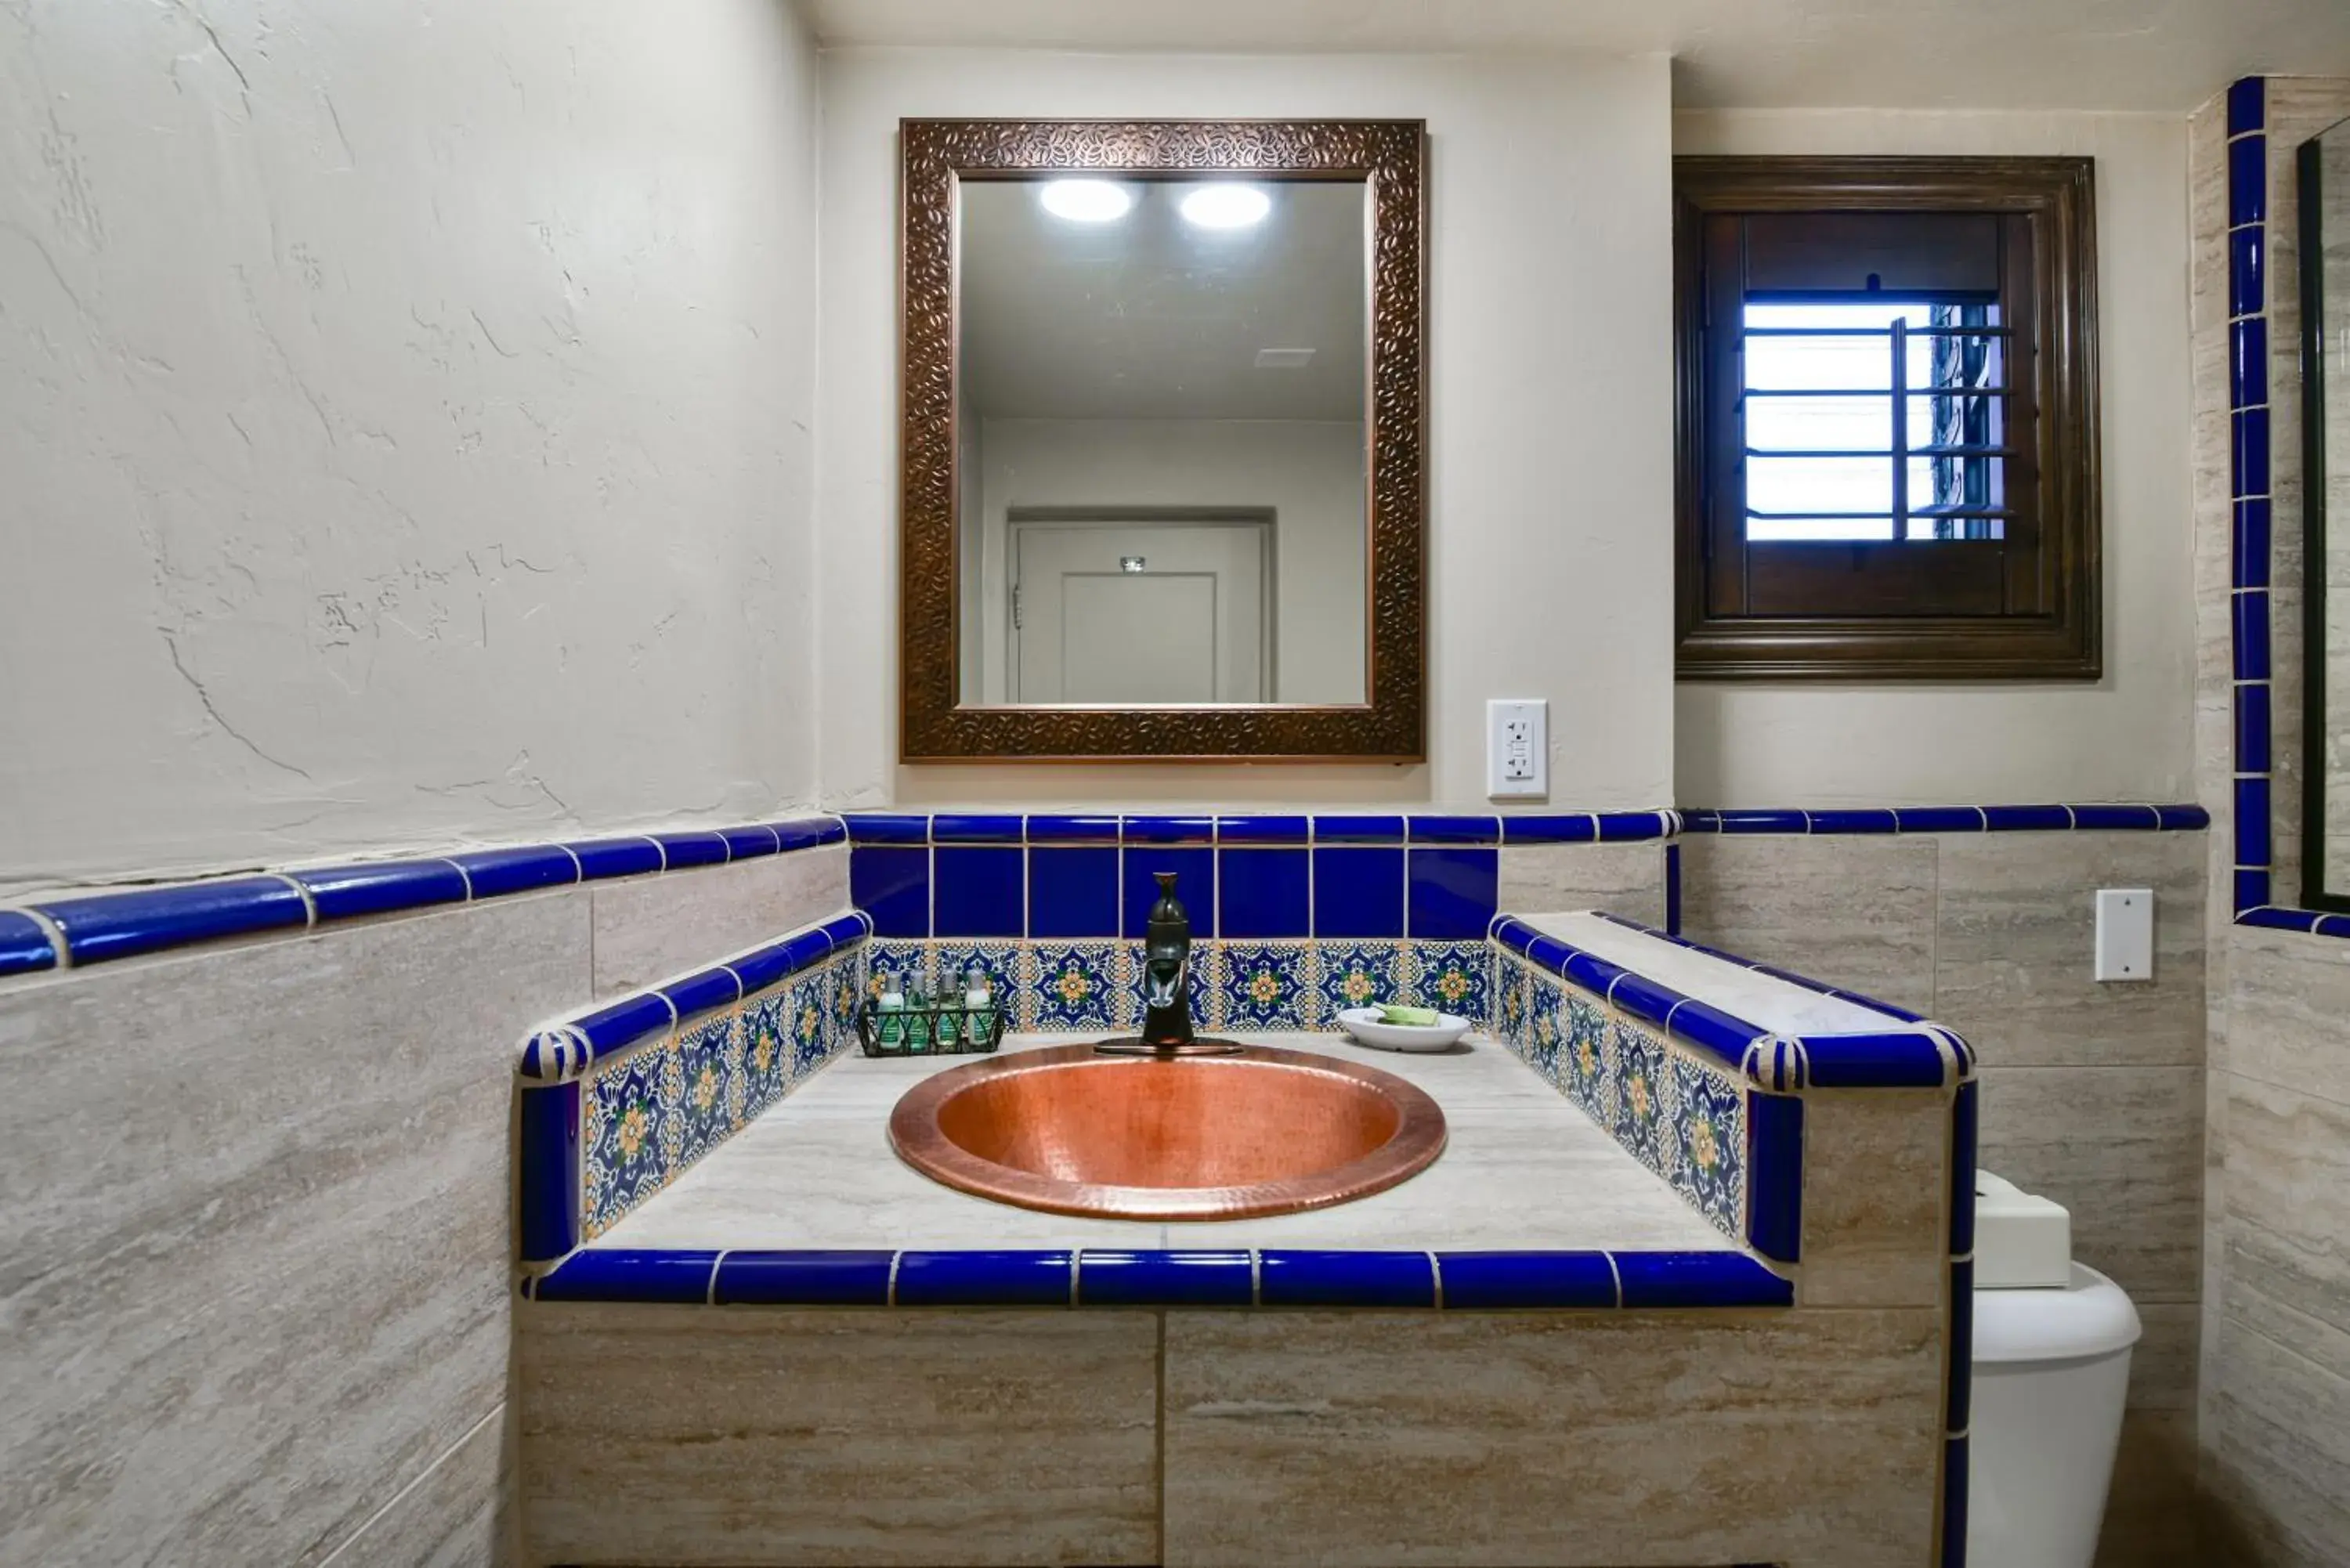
[2023,1242]
[2090,1316]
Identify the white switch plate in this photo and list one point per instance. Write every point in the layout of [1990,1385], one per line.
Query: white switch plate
[1517,750]
[2124,933]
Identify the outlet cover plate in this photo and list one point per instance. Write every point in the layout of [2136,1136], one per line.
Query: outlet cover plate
[1517,749]
[2124,934]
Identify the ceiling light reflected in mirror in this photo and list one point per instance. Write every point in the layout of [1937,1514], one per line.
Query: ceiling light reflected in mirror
[1086,200]
[1224,206]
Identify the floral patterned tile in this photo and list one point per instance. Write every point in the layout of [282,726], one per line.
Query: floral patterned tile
[1077,986]
[1358,974]
[766,1050]
[1643,1119]
[807,1024]
[1452,977]
[703,1072]
[1267,985]
[1510,1002]
[1710,1119]
[1546,1024]
[1583,1069]
[627,1116]
[1204,983]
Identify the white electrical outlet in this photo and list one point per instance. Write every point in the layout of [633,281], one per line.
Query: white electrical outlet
[2124,933]
[1517,750]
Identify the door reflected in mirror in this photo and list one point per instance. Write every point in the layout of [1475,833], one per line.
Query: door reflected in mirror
[1161,441]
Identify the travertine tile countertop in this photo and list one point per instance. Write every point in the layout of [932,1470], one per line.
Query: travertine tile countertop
[1522,1168]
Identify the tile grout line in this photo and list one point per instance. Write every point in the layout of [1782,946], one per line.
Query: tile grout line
[401,1495]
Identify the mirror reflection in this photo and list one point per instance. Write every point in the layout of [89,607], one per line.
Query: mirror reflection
[1161,442]
[2325,294]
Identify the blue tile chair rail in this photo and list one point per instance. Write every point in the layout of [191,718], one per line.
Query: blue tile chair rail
[1110,1279]
[127,922]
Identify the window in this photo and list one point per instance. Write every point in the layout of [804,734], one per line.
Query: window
[1888,418]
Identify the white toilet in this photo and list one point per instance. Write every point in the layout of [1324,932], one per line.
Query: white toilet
[2051,1354]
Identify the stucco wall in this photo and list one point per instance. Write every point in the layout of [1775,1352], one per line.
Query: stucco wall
[406,420]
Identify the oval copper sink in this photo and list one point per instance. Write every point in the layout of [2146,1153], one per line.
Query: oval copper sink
[1199,1138]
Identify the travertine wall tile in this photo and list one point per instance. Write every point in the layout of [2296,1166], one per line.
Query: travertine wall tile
[1850,910]
[458,1514]
[2121,1148]
[693,1434]
[2017,928]
[2276,1445]
[2284,1232]
[2289,1006]
[1806,1437]
[2153,1517]
[650,928]
[1627,879]
[254,1248]
[1874,1201]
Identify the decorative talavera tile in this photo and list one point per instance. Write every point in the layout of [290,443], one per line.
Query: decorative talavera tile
[842,990]
[1267,985]
[1583,1059]
[1710,1124]
[766,1050]
[1207,996]
[1078,986]
[1510,1003]
[625,1114]
[703,1120]
[1002,961]
[806,1021]
[1643,1122]
[1358,974]
[1453,977]
[1545,1010]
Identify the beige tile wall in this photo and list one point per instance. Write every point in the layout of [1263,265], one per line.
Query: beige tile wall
[2273,1422]
[253,1211]
[2092,1094]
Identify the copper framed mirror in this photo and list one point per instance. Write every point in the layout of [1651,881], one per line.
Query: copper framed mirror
[1162,440]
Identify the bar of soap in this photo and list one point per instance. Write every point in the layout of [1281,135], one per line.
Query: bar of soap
[1411,1017]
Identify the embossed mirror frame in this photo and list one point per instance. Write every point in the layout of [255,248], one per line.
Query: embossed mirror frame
[1390,726]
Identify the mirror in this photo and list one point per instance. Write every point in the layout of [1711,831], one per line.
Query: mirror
[1162,422]
[1162,440]
[2325,192]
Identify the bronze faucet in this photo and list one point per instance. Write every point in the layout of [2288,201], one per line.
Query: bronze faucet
[1167,987]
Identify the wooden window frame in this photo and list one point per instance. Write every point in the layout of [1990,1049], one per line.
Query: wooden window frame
[2062,641]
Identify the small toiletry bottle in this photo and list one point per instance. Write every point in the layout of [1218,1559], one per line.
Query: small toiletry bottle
[890,1028]
[922,1015]
[978,1006]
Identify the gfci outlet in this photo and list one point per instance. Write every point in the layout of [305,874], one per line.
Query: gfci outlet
[2124,933]
[1517,749]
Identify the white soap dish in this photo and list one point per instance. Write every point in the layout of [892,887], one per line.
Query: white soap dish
[1367,1028]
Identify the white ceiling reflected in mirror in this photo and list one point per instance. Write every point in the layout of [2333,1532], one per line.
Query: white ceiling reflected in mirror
[1162,440]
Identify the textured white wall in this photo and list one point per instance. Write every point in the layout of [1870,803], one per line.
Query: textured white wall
[405,416]
[2129,736]
[1550,401]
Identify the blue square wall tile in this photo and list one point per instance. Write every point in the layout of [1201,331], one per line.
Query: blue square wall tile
[1073,892]
[978,892]
[1264,893]
[1195,887]
[1453,893]
[893,886]
[1359,892]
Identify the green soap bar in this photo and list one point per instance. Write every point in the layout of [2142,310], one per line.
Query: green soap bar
[1414,1017]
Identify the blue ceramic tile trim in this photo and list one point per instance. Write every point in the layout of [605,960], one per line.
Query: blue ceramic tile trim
[1357,829]
[1634,827]
[1963,1127]
[602,857]
[619,1274]
[1102,829]
[701,991]
[1508,1282]
[948,829]
[25,946]
[1041,1279]
[547,1160]
[886,827]
[802,1279]
[1334,1278]
[1166,1279]
[682,851]
[1453,829]
[2105,816]
[1673,889]
[1954,1503]
[376,887]
[494,873]
[1775,1175]
[1571,828]
[1958,1394]
[1652,1280]
[1167,830]
[119,925]
[1264,830]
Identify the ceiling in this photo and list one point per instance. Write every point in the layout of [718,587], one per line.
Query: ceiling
[2147,55]
[1148,318]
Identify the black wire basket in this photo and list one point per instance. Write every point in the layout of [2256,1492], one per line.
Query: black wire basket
[944,1026]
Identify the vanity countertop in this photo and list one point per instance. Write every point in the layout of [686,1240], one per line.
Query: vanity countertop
[1523,1169]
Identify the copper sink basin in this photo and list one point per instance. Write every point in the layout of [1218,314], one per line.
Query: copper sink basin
[1200,1137]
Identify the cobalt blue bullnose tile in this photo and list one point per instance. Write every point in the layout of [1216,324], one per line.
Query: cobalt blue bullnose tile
[1903,1060]
[1357,892]
[1643,998]
[2248,181]
[1860,821]
[619,1274]
[805,950]
[2253,842]
[985,1279]
[344,892]
[2183,818]
[1940,819]
[1073,891]
[853,927]
[1548,952]
[751,841]
[495,872]
[1451,893]
[2333,926]
[1718,1034]
[2247,279]
[1165,1279]
[2273,918]
[1701,820]
[1631,826]
[802,1279]
[2252,888]
[603,857]
[626,1022]
[2248,363]
[969,829]
[892,884]
[1453,829]
[2249,556]
[2027,818]
[24,945]
[1049,829]
[1963,1130]
[1265,893]
[1166,829]
[807,833]
[1775,1175]
[763,967]
[1672,889]
[701,992]
[978,891]
[1512,933]
[1264,830]
[1592,972]
[1357,829]
[1652,1280]
[1962,1344]
[1195,887]
[888,828]
[1299,1279]
[1954,1503]
[1763,821]
[1551,828]
[1505,1282]
[682,850]
[2249,456]
[119,925]
[2121,818]
[546,1172]
[2247,105]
